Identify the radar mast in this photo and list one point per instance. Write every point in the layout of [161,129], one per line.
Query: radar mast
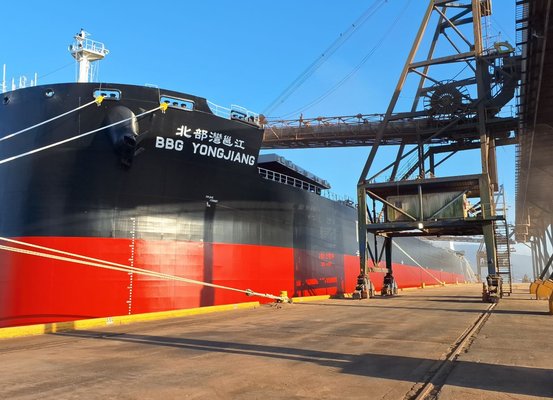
[86,51]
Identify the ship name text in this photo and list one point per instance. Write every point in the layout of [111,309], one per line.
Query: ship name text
[207,144]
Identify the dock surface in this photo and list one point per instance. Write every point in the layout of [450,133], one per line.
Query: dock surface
[382,348]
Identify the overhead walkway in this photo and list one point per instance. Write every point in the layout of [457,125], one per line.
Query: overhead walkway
[361,130]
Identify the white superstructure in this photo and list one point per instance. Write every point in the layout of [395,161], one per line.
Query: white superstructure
[86,51]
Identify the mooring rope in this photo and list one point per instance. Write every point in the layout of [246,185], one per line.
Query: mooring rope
[162,106]
[415,261]
[95,262]
[98,100]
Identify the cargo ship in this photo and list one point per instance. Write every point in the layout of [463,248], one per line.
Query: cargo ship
[102,182]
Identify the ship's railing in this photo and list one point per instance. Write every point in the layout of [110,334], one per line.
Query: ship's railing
[218,110]
[91,47]
[338,198]
[235,112]
[288,180]
[94,46]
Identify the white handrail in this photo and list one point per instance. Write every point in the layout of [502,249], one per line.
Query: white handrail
[288,180]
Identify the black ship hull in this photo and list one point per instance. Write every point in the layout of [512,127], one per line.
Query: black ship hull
[173,190]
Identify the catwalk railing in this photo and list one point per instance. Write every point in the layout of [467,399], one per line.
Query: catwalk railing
[361,130]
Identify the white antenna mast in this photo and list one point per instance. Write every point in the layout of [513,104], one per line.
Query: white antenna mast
[86,51]
[4,80]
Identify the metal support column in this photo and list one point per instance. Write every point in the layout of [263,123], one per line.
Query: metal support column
[363,288]
[534,259]
[486,190]
[443,104]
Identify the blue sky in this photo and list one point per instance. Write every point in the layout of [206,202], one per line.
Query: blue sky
[245,52]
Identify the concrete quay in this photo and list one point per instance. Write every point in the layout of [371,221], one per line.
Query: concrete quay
[382,348]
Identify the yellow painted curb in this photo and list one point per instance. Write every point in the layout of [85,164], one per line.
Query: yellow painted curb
[310,298]
[40,329]
[431,286]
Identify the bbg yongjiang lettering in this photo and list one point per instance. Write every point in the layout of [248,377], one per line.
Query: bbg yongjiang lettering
[206,150]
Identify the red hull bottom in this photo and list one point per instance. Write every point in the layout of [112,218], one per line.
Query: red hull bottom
[40,290]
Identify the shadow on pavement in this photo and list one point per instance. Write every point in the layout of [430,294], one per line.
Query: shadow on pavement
[499,378]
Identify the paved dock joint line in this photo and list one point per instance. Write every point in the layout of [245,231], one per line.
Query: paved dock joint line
[434,384]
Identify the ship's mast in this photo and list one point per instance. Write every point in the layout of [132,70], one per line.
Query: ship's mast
[86,51]
[4,79]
